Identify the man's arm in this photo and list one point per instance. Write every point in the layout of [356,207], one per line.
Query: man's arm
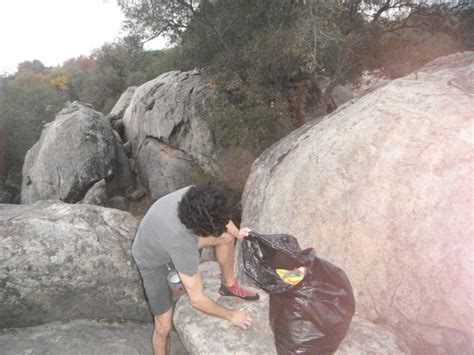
[194,288]
[236,232]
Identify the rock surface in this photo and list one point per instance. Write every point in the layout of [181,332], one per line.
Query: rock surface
[61,262]
[124,101]
[164,126]
[383,187]
[123,177]
[340,94]
[118,202]
[163,169]
[74,152]
[97,194]
[202,334]
[84,337]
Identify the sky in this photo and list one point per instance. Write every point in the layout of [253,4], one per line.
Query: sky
[56,30]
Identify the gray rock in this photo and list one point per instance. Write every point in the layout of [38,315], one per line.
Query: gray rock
[383,188]
[84,337]
[127,147]
[118,202]
[116,123]
[13,182]
[117,136]
[74,152]
[162,168]
[340,94]
[369,81]
[203,334]
[124,101]
[62,262]
[6,196]
[168,111]
[122,178]
[96,195]
[136,194]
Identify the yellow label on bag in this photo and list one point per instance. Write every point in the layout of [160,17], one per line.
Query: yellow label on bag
[291,277]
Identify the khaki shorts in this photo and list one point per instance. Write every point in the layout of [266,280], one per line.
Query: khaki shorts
[156,287]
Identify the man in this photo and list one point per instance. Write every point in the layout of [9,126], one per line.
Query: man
[173,230]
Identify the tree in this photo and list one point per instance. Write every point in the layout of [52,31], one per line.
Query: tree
[280,51]
[28,101]
[102,77]
[34,66]
[149,19]
[333,38]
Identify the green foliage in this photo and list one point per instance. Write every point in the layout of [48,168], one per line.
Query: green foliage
[148,19]
[249,120]
[28,101]
[34,66]
[276,51]
[101,78]
[269,64]
[280,50]
[409,50]
[165,60]
[35,94]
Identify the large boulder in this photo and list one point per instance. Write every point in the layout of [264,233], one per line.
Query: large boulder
[202,334]
[383,187]
[166,130]
[74,152]
[60,262]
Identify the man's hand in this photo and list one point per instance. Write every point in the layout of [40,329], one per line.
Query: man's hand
[241,319]
[194,288]
[235,232]
[244,232]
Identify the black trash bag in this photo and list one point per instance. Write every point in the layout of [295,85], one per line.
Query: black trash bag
[312,317]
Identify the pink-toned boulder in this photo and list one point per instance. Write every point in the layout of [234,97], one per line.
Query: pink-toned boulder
[383,187]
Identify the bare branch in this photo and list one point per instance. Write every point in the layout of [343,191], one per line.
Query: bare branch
[380,11]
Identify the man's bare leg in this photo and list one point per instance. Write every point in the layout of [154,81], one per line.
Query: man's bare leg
[225,248]
[161,333]
[225,258]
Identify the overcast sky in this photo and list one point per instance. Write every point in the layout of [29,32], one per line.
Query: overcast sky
[55,30]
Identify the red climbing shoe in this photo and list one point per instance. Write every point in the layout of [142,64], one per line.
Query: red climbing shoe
[238,291]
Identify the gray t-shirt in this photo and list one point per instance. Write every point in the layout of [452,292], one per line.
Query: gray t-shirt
[162,238]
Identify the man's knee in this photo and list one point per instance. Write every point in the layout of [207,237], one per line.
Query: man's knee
[163,325]
[162,330]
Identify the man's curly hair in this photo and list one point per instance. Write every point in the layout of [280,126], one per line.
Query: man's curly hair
[205,210]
